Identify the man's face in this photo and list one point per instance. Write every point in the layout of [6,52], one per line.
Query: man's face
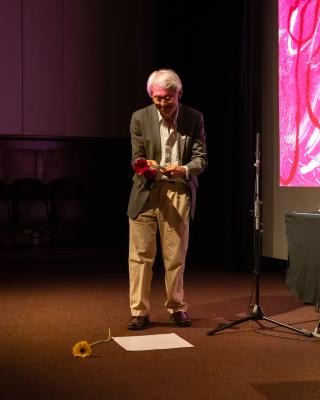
[166,101]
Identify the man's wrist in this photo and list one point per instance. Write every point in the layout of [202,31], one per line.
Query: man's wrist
[187,172]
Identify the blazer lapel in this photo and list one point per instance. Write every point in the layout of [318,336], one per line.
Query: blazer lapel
[155,132]
[181,131]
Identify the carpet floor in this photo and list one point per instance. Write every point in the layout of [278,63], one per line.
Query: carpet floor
[45,312]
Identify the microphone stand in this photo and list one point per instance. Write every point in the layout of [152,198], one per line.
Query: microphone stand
[256,313]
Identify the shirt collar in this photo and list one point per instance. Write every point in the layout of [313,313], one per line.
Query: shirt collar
[161,119]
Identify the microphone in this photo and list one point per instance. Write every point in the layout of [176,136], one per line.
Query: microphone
[257,202]
[257,163]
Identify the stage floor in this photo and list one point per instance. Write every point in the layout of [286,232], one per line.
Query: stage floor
[44,312]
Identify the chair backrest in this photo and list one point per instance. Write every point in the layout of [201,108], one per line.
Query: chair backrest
[66,188]
[5,203]
[29,189]
[30,200]
[68,199]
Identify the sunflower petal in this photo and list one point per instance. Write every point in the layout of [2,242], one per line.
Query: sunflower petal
[82,349]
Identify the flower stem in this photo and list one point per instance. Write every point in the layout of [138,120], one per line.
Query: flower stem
[102,341]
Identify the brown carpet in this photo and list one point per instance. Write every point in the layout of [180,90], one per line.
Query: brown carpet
[44,314]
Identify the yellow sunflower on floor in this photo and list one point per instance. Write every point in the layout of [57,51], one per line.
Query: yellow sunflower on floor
[82,349]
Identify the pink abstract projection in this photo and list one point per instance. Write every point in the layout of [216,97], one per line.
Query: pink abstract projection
[299,92]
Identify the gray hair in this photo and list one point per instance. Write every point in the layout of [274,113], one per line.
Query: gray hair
[166,79]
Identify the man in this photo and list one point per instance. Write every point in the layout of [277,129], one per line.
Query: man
[168,140]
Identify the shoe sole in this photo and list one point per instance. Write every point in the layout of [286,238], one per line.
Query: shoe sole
[138,327]
[186,323]
[183,324]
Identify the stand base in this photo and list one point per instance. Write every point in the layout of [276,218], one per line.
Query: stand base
[256,315]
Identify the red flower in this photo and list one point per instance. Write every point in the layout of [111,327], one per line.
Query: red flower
[141,167]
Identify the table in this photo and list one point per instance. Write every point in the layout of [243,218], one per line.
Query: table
[303,238]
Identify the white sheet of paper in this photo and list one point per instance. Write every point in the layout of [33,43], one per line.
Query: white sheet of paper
[151,342]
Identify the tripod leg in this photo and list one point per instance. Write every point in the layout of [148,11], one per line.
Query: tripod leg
[220,328]
[302,331]
[257,317]
[256,311]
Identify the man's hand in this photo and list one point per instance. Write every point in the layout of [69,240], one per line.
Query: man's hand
[151,162]
[174,171]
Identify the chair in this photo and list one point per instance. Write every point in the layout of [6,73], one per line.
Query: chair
[6,220]
[31,212]
[69,210]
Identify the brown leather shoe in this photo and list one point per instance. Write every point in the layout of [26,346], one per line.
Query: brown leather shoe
[137,322]
[181,318]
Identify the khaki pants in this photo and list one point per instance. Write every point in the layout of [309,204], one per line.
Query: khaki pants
[168,208]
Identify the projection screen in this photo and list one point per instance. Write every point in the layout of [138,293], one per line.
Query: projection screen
[299,92]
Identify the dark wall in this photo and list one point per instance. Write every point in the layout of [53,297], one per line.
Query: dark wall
[72,67]
[215,49]
[77,69]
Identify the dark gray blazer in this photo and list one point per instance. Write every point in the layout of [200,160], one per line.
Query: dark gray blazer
[145,141]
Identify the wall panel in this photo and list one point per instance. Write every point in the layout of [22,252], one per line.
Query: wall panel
[43,81]
[10,67]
